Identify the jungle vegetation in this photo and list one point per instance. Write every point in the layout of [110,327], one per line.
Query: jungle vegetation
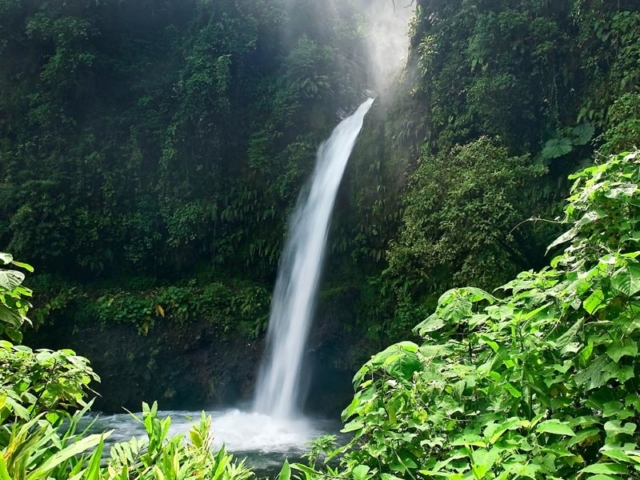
[150,153]
[147,144]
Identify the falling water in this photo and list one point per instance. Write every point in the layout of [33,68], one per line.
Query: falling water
[278,392]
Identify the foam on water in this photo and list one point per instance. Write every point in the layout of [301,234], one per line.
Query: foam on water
[262,440]
[242,431]
[239,431]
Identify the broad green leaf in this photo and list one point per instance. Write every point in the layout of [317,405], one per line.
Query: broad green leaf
[633,401]
[10,279]
[616,428]
[593,376]
[352,426]
[478,294]
[564,238]
[605,468]
[555,427]
[483,461]
[458,309]
[570,334]
[620,348]
[514,392]
[620,190]
[627,280]
[407,346]
[612,408]
[285,473]
[583,134]
[403,366]
[360,472]
[478,320]
[620,373]
[595,302]
[494,431]
[431,324]
[615,453]
[557,148]
[588,218]
[474,440]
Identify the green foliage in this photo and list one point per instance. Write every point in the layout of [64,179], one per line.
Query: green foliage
[460,217]
[549,82]
[541,383]
[137,143]
[13,298]
[320,447]
[497,68]
[40,390]
[557,147]
[159,456]
[230,307]
[609,44]
[624,124]
[576,137]
[162,138]
[36,449]
[42,382]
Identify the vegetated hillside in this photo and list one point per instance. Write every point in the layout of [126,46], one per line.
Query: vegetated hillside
[151,152]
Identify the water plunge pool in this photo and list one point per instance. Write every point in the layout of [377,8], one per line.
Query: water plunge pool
[265,442]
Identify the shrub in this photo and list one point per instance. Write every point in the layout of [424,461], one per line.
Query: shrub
[542,383]
[40,394]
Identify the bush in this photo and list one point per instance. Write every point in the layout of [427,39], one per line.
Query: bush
[542,383]
[40,394]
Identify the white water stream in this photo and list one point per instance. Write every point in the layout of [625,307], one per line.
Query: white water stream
[275,429]
[278,392]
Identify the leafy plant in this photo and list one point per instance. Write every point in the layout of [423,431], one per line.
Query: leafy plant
[42,382]
[558,147]
[13,298]
[42,402]
[541,383]
[160,457]
[459,220]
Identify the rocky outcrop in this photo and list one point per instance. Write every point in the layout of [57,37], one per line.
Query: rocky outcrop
[194,366]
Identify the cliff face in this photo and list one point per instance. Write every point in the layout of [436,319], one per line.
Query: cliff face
[194,367]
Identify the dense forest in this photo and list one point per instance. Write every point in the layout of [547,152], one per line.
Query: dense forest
[152,151]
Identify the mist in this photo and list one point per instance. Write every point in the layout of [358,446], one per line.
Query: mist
[387,38]
[383,25]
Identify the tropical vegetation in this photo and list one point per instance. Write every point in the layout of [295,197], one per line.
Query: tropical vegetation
[538,381]
[151,153]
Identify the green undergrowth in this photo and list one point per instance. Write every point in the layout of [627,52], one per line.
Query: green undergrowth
[43,397]
[229,306]
[540,381]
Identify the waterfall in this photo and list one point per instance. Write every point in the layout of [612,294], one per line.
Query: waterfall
[278,392]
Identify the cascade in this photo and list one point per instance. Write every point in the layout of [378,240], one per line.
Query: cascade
[274,427]
[278,391]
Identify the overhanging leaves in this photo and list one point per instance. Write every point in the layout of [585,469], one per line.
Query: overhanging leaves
[557,148]
[627,280]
